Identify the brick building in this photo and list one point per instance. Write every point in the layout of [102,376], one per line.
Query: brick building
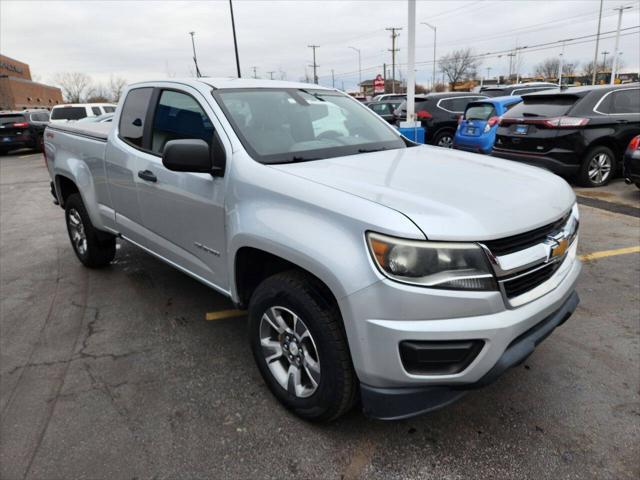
[18,91]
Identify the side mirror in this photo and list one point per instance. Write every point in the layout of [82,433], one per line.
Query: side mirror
[192,155]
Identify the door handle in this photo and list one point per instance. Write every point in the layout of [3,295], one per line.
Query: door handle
[147,175]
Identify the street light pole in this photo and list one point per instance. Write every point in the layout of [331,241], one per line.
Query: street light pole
[560,66]
[595,55]
[195,59]
[614,67]
[359,64]
[433,75]
[604,61]
[235,40]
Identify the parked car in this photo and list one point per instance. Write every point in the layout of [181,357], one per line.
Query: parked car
[106,117]
[580,131]
[631,166]
[22,129]
[438,113]
[477,127]
[373,269]
[77,111]
[385,109]
[517,89]
[383,97]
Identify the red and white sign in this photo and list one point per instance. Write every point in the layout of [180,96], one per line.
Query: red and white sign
[378,84]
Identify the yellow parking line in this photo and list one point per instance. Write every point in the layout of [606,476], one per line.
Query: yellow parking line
[610,253]
[224,314]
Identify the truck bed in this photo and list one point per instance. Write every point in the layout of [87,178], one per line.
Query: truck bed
[98,131]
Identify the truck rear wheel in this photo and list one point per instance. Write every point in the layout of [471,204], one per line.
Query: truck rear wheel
[300,348]
[94,248]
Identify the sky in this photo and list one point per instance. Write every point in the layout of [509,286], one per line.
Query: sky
[146,40]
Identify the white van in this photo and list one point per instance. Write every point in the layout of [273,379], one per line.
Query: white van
[76,111]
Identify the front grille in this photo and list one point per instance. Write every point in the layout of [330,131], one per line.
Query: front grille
[505,246]
[522,283]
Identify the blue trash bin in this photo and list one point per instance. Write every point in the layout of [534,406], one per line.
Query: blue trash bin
[415,134]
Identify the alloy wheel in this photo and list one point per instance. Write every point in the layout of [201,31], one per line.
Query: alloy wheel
[446,141]
[290,351]
[76,229]
[600,168]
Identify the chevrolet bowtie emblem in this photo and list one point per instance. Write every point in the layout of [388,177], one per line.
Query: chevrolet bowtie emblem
[560,247]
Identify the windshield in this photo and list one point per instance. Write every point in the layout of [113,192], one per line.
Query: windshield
[542,106]
[294,125]
[479,111]
[68,113]
[11,119]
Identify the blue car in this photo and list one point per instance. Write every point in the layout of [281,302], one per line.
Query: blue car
[477,126]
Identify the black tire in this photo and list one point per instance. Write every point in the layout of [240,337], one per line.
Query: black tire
[38,146]
[3,151]
[585,179]
[337,388]
[444,139]
[98,248]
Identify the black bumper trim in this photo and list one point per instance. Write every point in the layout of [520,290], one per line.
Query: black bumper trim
[400,403]
[556,166]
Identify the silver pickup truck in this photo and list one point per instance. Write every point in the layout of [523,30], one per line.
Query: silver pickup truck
[374,270]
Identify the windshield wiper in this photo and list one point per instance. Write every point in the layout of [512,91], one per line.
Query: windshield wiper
[371,150]
[297,158]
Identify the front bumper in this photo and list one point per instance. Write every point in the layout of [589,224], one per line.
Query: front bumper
[381,316]
[398,403]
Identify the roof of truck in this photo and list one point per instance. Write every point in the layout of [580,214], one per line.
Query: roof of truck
[232,82]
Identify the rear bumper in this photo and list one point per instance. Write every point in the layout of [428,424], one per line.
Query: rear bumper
[562,162]
[399,403]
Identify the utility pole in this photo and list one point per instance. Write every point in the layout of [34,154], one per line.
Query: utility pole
[560,66]
[315,65]
[604,61]
[595,55]
[333,79]
[235,40]
[510,55]
[195,59]
[384,76]
[433,75]
[271,74]
[616,53]
[255,72]
[489,71]
[393,50]
[359,64]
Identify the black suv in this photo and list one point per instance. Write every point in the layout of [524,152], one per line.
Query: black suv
[517,89]
[22,129]
[579,131]
[438,113]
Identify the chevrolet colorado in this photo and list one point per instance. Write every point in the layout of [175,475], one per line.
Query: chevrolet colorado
[374,270]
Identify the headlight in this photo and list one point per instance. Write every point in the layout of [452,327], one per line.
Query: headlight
[457,266]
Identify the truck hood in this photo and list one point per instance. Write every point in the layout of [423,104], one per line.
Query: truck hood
[448,194]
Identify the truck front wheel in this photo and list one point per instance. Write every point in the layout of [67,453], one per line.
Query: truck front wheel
[94,248]
[300,348]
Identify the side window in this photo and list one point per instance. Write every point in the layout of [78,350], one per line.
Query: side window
[109,109]
[179,116]
[96,111]
[133,115]
[625,101]
[381,109]
[456,105]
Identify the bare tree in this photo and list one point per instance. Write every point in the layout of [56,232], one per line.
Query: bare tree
[74,85]
[116,87]
[548,68]
[98,93]
[459,65]
[587,68]
[570,68]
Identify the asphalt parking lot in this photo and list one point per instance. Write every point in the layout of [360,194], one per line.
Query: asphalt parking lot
[117,374]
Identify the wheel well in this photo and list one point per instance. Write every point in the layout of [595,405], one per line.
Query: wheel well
[252,266]
[66,187]
[609,143]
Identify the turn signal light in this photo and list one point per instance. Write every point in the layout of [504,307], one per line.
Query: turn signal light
[635,143]
[565,122]
[423,115]
[20,125]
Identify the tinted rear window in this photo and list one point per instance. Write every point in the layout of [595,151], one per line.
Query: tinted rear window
[542,106]
[9,119]
[493,92]
[480,111]
[40,117]
[68,113]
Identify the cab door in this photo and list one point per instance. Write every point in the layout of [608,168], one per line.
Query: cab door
[183,213]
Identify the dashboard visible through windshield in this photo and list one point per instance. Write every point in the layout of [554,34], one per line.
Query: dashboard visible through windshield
[295,125]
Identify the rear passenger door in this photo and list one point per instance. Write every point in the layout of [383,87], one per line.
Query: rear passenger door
[622,110]
[182,212]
